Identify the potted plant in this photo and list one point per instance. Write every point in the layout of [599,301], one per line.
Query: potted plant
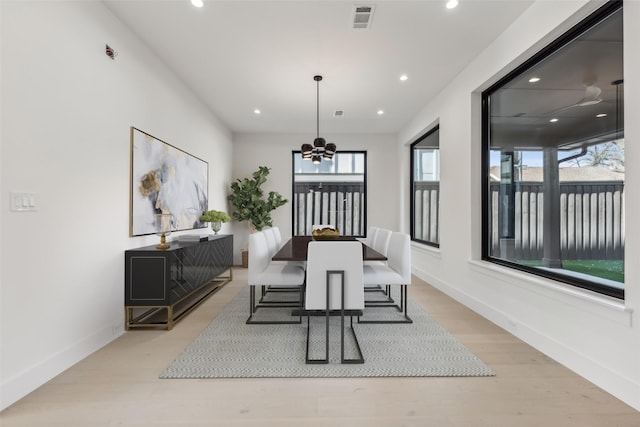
[216,218]
[247,198]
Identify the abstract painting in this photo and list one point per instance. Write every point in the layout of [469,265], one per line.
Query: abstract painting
[165,179]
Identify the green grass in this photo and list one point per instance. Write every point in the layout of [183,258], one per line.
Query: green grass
[603,268]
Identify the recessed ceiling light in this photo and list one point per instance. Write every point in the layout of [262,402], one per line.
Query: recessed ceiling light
[197,3]
[257,111]
[380,112]
[601,115]
[534,79]
[403,77]
[452,4]
[553,120]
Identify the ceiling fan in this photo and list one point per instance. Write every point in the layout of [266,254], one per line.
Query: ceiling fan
[591,97]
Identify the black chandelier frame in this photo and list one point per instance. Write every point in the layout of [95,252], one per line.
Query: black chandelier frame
[320,148]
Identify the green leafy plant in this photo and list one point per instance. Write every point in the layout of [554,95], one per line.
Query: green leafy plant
[247,197]
[214,216]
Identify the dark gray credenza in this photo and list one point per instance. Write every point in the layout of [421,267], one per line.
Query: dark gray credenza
[162,286]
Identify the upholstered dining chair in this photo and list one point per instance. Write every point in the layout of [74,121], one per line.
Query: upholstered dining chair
[379,241]
[271,240]
[278,240]
[397,272]
[278,236]
[273,246]
[334,282]
[264,273]
[371,236]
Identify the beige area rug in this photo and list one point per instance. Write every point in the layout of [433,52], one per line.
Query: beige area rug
[229,348]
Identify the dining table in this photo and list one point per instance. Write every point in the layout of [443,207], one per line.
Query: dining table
[295,249]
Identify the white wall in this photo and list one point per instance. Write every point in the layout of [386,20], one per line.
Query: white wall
[274,151]
[596,336]
[66,113]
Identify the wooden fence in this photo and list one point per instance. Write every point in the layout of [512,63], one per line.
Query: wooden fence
[426,202]
[591,215]
[341,204]
[591,220]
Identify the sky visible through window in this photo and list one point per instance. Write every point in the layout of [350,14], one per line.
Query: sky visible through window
[534,158]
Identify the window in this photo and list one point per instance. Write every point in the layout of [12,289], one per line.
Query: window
[553,160]
[425,188]
[332,192]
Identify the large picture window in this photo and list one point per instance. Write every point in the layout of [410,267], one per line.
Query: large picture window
[553,159]
[332,192]
[425,188]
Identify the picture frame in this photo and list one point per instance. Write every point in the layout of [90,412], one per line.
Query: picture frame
[165,179]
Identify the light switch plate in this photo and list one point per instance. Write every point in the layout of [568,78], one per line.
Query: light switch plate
[23,201]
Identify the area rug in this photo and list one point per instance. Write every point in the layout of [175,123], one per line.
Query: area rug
[229,348]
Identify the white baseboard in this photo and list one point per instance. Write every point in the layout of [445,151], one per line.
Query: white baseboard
[613,382]
[18,386]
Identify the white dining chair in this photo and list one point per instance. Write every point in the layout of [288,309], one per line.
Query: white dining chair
[271,241]
[381,240]
[262,272]
[272,244]
[371,235]
[278,236]
[380,243]
[397,272]
[335,282]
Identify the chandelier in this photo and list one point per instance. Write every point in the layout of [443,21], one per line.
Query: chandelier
[320,149]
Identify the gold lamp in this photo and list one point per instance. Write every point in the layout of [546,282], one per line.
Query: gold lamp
[163,229]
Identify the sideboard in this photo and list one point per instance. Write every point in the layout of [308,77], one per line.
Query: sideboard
[163,285]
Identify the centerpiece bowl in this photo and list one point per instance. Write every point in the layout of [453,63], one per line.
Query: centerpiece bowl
[326,233]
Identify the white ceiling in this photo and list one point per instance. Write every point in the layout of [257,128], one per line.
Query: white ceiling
[241,55]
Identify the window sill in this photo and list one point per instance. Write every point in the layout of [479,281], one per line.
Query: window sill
[602,305]
[427,249]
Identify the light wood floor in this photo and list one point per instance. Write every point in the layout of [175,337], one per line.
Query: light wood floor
[119,386]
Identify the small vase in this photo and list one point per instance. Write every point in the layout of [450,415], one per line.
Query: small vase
[215,226]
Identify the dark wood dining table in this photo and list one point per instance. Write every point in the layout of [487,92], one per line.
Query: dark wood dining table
[296,249]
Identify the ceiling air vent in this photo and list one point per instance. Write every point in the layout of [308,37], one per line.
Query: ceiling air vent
[338,114]
[362,16]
